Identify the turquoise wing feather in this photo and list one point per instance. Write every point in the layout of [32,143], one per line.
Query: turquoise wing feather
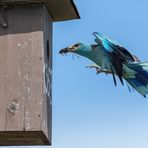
[117,54]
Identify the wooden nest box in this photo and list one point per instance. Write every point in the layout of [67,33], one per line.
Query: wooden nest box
[26,68]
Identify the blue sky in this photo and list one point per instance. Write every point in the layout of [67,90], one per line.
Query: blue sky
[88,110]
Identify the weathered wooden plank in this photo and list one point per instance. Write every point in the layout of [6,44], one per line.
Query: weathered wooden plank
[26,105]
[23,138]
[33,107]
[59,9]
[15,84]
[3,55]
[22,1]
[47,103]
[20,59]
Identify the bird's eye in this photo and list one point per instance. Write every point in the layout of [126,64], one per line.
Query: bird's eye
[76,45]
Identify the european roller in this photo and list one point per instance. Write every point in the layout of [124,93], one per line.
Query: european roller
[111,58]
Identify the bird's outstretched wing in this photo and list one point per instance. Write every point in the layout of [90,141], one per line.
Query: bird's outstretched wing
[116,54]
[113,46]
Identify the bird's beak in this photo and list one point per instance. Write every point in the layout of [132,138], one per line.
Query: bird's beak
[66,50]
[63,51]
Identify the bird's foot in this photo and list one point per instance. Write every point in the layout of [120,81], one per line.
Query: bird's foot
[96,67]
[99,69]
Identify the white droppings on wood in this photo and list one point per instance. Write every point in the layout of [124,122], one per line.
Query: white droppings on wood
[26,77]
[44,69]
[27,116]
[25,43]
[47,80]
[26,61]
[22,44]
[23,83]
[29,90]
[27,120]
[18,71]
[27,126]
[46,90]
[41,102]
[19,45]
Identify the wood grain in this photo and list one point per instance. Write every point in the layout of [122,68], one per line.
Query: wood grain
[25,107]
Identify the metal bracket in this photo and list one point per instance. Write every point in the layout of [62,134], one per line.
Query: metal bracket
[3,20]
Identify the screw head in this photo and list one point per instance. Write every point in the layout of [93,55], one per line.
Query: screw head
[5,25]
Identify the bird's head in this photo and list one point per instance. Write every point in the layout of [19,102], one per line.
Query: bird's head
[74,48]
[78,48]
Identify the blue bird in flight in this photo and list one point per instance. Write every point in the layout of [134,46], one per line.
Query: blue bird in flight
[111,58]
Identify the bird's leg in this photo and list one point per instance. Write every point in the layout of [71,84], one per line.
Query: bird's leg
[104,71]
[99,69]
[94,66]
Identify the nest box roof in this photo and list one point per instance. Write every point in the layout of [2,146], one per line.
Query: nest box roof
[59,10]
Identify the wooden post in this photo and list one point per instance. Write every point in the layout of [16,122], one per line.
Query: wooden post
[25,75]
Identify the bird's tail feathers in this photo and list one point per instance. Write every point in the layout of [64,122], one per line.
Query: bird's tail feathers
[137,77]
